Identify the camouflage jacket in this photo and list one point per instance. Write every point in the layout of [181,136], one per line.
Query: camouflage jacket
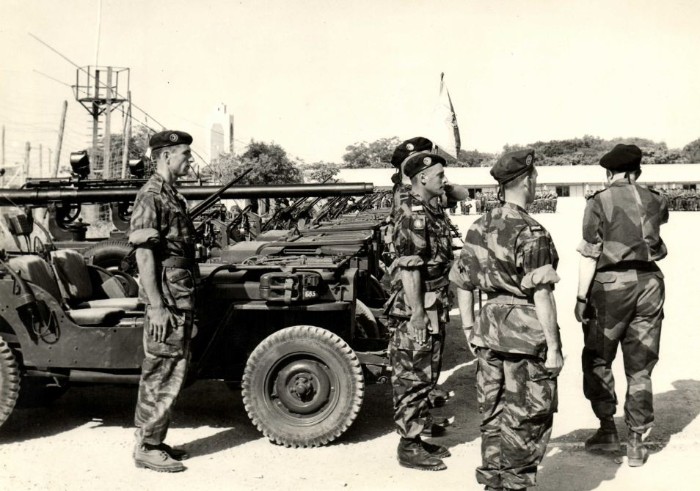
[621,224]
[160,222]
[507,252]
[422,240]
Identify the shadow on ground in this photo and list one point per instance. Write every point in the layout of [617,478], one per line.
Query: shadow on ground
[205,403]
[570,468]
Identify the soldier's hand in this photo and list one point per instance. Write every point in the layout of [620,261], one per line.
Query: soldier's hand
[580,310]
[418,326]
[160,320]
[554,362]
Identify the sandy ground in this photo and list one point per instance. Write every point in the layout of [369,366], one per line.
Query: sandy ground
[84,440]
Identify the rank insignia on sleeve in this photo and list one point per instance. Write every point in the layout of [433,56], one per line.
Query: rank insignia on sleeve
[419,223]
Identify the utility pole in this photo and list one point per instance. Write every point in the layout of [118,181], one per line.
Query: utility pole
[59,143]
[95,117]
[107,139]
[27,150]
[127,136]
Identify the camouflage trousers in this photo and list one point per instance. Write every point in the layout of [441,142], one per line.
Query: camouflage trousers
[163,373]
[625,308]
[415,372]
[517,401]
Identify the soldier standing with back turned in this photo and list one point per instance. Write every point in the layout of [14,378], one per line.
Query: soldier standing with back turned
[508,255]
[621,297]
[163,235]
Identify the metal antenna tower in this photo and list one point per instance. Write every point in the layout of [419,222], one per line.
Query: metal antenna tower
[99,90]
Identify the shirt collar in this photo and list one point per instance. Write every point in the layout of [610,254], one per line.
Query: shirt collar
[513,206]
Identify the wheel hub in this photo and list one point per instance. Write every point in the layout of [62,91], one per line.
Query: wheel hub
[303,387]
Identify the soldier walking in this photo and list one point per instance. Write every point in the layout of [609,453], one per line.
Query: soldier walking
[419,307]
[621,297]
[509,256]
[163,236]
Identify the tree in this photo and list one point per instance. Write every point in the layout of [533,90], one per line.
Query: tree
[320,171]
[375,154]
[269,161]
[138,143]
[692,151]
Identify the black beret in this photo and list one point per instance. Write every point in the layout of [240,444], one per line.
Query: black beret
[417,144]
[169,138]
[419,161]
[512,165]
[622,158]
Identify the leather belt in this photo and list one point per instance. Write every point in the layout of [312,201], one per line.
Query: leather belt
[178,262]
[507,298]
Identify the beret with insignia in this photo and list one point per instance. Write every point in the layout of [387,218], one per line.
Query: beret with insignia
[622,158]
[169,138]
[512,165]
[420,161]
[417,144]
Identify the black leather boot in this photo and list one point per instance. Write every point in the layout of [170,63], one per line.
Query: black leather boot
[605,438]
[411,454]
[438,451]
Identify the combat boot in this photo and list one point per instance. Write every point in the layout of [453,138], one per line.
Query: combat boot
[152,457]
[437,397]
[411,454]
[438,451]
[636,451]
[176,453]
[605,438]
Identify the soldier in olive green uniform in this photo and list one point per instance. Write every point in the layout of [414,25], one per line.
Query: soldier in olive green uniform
[621,298]
[508,255]
[419,307]
[163,236]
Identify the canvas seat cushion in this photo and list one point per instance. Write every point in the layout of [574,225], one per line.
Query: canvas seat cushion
[98,316]
[35,270]
[72,274]
[129,304]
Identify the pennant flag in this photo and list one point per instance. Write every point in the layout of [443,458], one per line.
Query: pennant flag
[445,132]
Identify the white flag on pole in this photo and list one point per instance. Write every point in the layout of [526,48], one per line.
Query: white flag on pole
[444,131]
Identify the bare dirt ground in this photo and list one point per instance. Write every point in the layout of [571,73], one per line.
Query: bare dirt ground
[84,440]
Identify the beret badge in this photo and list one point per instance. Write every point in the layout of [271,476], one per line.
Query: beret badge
[173,137]
[427,160]
[410,147]
[528,160]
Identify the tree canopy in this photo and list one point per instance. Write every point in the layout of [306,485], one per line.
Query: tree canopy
[269,161]
[374,154]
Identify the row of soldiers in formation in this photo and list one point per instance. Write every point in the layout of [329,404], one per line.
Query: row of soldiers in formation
[544,202]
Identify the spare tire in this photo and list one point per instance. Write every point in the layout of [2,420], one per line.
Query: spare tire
[109,255]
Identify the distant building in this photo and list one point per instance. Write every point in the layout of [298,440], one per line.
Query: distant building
[220,132]
[564,180]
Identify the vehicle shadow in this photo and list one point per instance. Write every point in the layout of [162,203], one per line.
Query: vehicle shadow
[569,467]
[204,403]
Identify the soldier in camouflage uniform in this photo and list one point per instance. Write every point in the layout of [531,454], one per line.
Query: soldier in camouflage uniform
[419,307]
[401,192]
[163,236]
[509,256]
[621,298]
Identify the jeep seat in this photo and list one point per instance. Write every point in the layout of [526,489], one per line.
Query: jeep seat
[84,286]
[38,272]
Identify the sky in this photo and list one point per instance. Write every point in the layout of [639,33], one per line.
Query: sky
[316,76]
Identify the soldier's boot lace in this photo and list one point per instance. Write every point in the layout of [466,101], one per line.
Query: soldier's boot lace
[636,450]
[151,457]
[411,454]
[177,453]
[605,439]
[438,451]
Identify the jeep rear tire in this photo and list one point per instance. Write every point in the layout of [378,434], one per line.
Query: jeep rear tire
[9,381]
[303,386]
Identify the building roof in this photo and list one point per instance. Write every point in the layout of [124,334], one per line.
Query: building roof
[547,175]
